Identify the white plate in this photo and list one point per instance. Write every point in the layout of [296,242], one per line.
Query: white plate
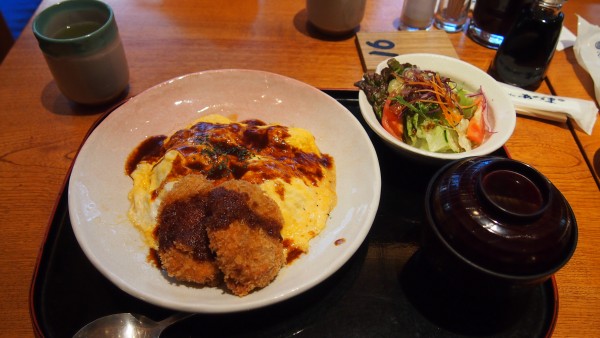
[98,185]
[501,111]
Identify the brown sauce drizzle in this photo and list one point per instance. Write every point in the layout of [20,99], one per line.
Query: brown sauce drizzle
[150,150]
[226,151]
[182,222]
[223,152]
[186,221]
[292,252]
[227,206]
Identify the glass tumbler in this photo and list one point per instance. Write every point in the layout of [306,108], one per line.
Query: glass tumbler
[451,15]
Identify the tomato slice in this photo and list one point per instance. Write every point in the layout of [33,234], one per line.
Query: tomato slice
[476,128]
[391,118]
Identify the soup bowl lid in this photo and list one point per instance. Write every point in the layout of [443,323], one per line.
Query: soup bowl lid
[501,216]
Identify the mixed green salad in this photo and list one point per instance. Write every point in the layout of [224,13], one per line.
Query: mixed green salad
[424,109]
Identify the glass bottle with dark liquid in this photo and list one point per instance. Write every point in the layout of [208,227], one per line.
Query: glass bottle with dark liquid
[523,57]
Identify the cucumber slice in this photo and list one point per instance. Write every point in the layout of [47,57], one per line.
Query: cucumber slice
[395,86]
[452,139]
[436,140]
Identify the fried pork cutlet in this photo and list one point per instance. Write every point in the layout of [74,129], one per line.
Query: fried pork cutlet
[182,241]
[245,235]
[233,230]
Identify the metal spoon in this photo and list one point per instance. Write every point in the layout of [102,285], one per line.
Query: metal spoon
[128,325]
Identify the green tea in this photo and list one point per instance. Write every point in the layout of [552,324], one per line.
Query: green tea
[76,30]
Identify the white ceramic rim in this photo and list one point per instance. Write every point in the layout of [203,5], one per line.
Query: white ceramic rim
[98,185]
[467,76]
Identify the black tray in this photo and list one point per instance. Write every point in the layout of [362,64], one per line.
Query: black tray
[384,290]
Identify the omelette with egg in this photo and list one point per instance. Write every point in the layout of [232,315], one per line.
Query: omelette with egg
[284,162]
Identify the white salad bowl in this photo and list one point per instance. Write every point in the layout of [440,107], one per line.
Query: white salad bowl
[501,116]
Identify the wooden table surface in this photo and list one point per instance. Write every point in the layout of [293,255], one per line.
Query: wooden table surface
[41,130]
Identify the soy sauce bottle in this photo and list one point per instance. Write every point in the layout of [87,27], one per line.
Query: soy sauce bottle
[523,57]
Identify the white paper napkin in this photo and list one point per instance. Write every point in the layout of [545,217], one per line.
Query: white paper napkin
[556,108]
[587,51]
[566,39]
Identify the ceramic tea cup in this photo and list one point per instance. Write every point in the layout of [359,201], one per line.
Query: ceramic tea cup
[335,17]
[81,44]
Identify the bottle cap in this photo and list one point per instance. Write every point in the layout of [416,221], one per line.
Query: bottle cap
[554,2]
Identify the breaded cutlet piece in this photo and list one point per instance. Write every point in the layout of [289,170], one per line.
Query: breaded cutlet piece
[182,240]
[245,235]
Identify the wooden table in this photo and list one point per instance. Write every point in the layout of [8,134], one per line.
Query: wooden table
[561,76]
[41,130]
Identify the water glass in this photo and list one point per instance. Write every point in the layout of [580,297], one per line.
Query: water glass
[451,15]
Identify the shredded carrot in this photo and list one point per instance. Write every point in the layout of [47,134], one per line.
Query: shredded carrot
[439,101]
[446,99]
